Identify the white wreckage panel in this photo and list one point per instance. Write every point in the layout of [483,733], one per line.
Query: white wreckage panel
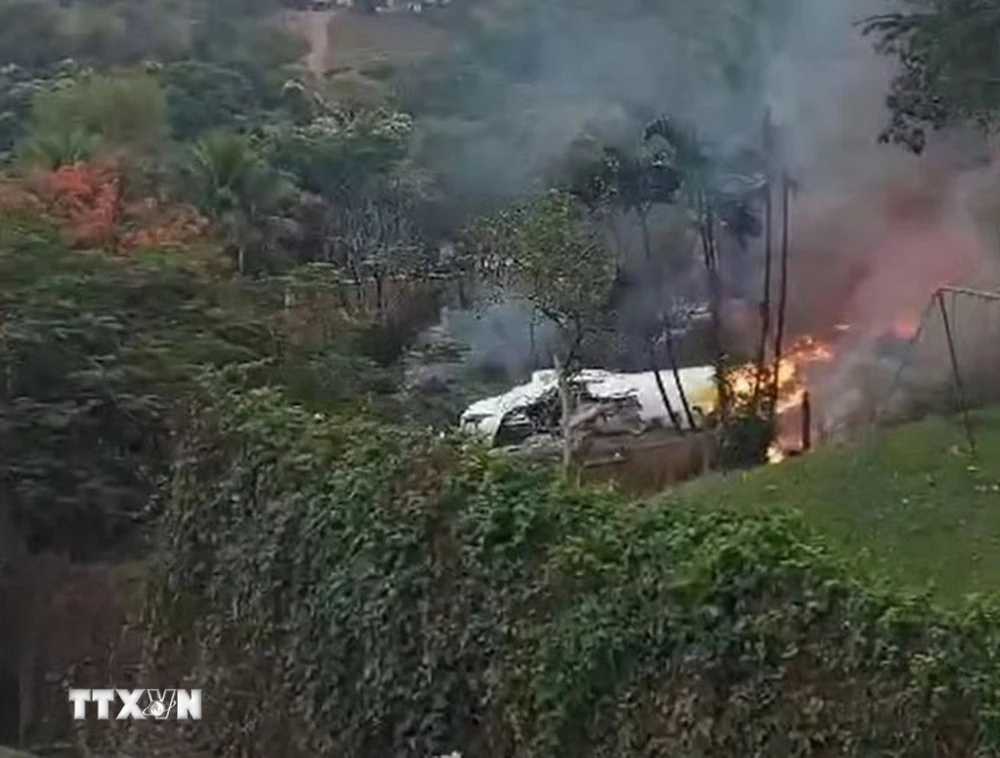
[487,417]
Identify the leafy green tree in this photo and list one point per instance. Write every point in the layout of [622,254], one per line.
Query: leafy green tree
[39,33]
[354,165]
[18,89]
[548,252]
[126,112]
[93,352]
[370,88]
[241,33]
[949,66]
[204,96]
[100,353]
[233,183]
[275,49]
[339,155]
[54,150]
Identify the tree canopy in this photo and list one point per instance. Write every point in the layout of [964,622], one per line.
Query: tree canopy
[949,66]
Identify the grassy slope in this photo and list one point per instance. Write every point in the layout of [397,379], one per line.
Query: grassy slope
[909,504]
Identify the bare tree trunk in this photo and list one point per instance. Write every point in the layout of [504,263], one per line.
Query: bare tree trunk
[533,333]
[806,422]
[379,296]
[359,284]
[647,247]
[672,357]
[956,372]
[765,307]
[566,410]
[674,418]
[564,368]
[643,214]
[707,228]
[616,235]
[783,292]
[532,338]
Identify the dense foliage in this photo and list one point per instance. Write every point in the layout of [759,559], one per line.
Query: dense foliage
[141,144]
[350,586]
[98,355]
[219,118]
[367,590]
[949,66]
[548,253]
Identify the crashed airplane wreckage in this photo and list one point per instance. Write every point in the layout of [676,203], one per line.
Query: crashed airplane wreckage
[620,430]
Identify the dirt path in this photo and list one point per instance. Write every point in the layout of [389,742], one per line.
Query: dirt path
[341,39]
[314,28]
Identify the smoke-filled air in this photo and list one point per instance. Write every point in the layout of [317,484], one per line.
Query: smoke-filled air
[499,378]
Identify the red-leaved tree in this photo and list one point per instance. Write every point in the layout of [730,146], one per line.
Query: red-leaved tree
[88,202]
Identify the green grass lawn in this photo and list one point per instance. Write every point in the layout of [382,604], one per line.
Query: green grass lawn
[910,504]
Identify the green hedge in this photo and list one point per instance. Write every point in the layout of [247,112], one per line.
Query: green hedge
[355,589]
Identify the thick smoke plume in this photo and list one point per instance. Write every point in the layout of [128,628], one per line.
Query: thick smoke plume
[875,231]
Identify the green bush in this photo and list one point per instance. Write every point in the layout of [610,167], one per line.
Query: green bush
[99,354]
[128,110]
[359,589]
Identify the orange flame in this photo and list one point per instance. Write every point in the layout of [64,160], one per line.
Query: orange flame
[744,381]
[789,374]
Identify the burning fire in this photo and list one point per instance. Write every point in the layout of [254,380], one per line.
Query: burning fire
[744,381]
[789,378]
[789,375]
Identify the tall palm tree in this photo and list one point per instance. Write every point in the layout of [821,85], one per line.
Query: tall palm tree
[619,183]
[765,306]
[639,183]
[233,183]
[779,335]
[58,148]
[717,198]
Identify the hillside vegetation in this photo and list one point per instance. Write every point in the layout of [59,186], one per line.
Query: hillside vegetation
[374,592]
[101,355]
[216,270]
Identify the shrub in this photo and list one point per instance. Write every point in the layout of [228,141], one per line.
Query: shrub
[360,589]
[98,353]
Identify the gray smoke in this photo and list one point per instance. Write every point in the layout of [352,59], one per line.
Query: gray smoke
[875,230]
[603,66]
